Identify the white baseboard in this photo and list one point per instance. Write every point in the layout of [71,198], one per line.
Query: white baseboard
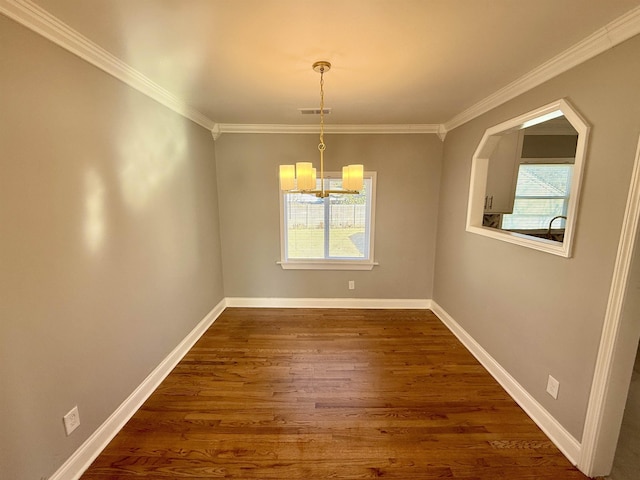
[390,303]
[566,442]
[73,468]
[81,459]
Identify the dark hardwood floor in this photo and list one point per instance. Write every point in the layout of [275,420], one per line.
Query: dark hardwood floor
[325,393]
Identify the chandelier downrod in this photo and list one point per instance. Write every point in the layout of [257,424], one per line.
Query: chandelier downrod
[302,178]
[322,67]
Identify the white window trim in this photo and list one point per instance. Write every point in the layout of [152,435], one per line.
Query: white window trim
[332,264]
[327,265]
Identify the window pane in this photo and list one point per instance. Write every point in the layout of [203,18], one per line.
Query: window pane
[542,193]
[347,223]
[534,214]
[544,180]
[305,226]
[334,228]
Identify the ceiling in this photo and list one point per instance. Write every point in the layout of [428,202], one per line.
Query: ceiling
[394,61]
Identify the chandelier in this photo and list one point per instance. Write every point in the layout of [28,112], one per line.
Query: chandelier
[301,178]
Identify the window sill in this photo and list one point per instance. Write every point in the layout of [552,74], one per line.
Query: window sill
[327,265]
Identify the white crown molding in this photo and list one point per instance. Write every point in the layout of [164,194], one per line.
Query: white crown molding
[221,128]
[612,34]
[442,132]
[40,21]
[215,131]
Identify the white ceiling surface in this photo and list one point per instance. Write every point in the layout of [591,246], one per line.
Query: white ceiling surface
[394,61]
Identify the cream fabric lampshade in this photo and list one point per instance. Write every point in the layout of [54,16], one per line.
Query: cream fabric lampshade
[352,177]
[287,177]
[304,174]
[345,178]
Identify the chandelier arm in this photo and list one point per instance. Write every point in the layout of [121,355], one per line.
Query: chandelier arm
[325,193]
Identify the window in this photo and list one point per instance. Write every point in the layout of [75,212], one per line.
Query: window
[333,233]
[542,193]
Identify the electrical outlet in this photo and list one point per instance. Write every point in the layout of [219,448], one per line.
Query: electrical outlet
[352,284]
[553,386]
[71,420]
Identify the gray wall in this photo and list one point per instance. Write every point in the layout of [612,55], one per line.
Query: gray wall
[408,175]
[109,245]
[111,251]
[539,314]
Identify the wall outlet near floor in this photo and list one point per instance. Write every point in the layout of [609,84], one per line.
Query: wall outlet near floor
[352,284]
[553,386]
[71,420]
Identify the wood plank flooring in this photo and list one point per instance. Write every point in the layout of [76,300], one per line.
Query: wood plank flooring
[325,393]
